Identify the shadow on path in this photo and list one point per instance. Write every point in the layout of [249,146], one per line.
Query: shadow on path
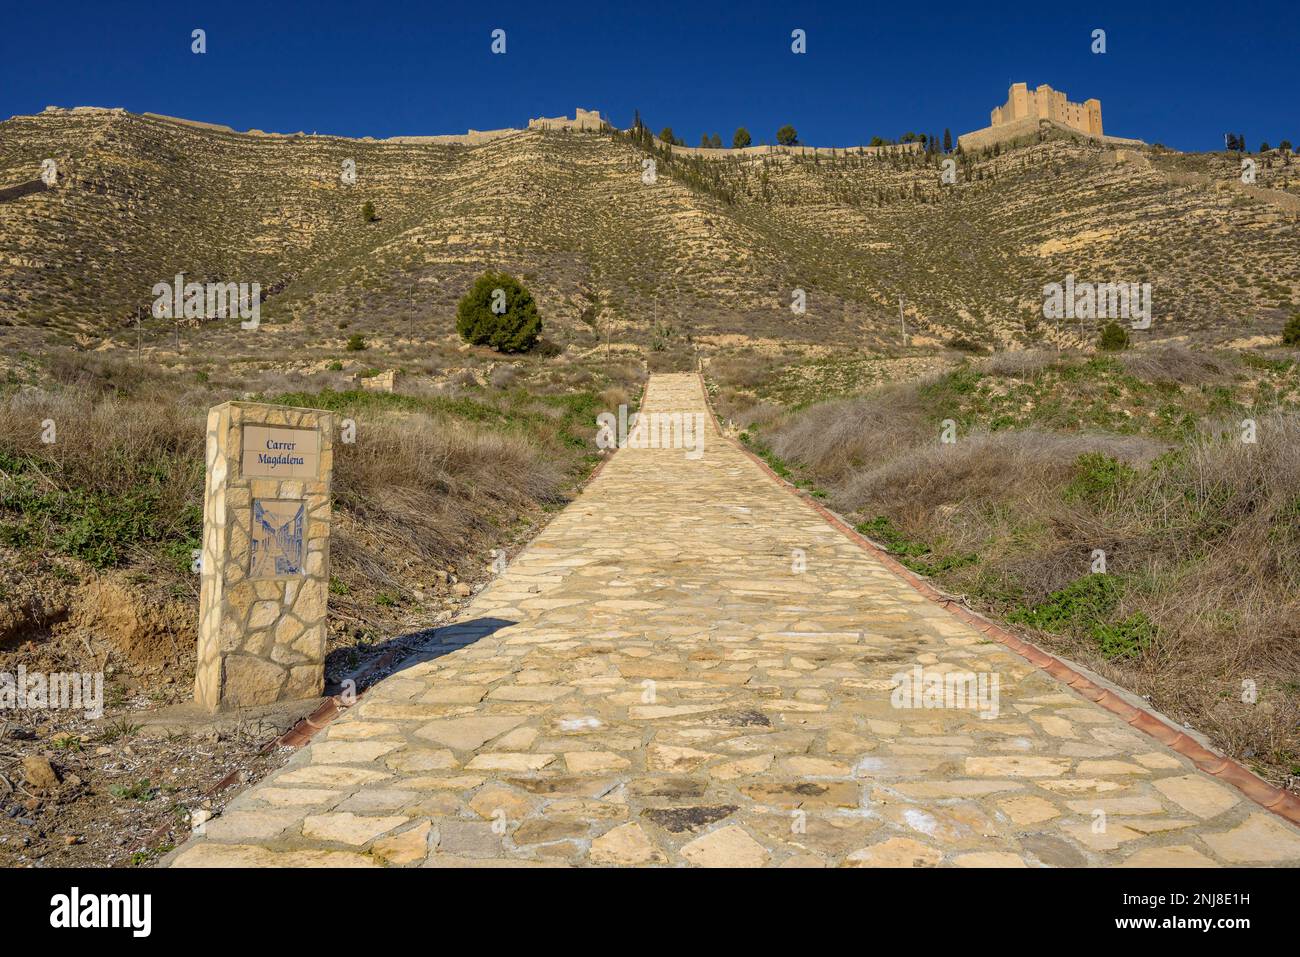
[416,647]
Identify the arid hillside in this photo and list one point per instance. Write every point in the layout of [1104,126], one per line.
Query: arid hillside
[711,247]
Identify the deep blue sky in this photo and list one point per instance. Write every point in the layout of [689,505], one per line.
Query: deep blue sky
[1177,73]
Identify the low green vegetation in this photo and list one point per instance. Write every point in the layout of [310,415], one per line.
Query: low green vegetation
[1087,607]
[100,528]
[916,555]
[142,790]
[1100,479]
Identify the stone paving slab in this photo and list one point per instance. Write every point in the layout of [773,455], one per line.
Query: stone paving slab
[689,667]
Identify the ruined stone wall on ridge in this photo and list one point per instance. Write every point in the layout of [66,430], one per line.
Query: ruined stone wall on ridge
[472,138]
[582,120]
[777,149]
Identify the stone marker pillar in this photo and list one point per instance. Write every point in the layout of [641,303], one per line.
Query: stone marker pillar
[265,572]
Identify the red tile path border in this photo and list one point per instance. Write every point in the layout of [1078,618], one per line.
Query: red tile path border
[1283,803]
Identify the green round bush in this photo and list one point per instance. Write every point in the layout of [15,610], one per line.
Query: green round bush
[499,312]
[1113,338]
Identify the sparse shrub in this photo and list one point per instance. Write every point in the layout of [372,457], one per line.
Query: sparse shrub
[1291,334]
[963,344]
[500,312]
[141,790]
[1079,605]
[368,214]
[882,530]
[1124,639]
[1086,607]
[356,343]
[1113,338]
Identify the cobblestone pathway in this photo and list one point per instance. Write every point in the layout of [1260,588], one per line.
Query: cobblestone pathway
[651,682]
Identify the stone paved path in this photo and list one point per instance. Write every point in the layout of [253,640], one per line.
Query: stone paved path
[651,682]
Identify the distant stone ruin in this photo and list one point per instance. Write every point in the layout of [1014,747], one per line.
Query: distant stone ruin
[381,382]
[582,120]
[827,152]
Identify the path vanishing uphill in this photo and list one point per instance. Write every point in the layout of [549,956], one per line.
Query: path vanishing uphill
[658,680]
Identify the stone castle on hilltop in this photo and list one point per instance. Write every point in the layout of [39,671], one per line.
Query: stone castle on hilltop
[1027,111]
[1045,103]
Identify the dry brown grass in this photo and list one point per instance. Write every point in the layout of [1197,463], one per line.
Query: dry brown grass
[742,372]
[1174,362]
[984,467]
[1019,363]
[837,439]
[426,489]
